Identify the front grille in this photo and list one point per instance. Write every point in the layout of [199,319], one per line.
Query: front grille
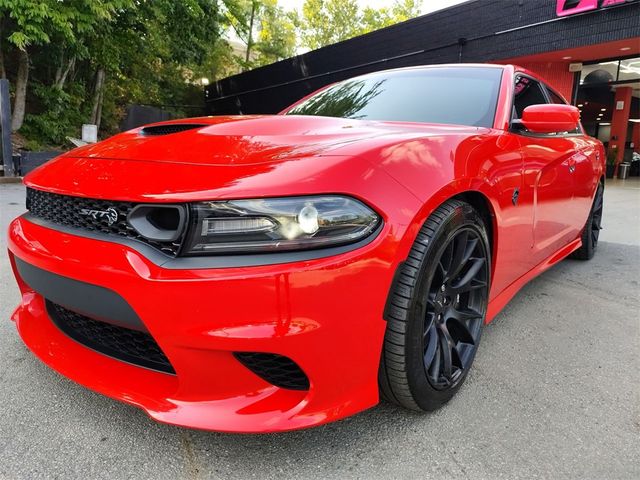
[276,369]
[66,210]
[131,346]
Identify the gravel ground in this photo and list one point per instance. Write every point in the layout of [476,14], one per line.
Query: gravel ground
[553,394]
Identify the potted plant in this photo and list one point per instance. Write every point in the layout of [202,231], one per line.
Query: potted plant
[612,156]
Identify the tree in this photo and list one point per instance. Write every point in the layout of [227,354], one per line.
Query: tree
[400,11]
[329,21]
[277,34]
[28,24]
[243,16]
[154,47]
[267,31]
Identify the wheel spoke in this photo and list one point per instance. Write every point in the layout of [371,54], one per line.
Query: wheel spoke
[476,266]
[461,331]
[456,357]
[460,255]
[431,337]
[431,299]
[434,368]
[455,305]
[444,264]
[446,345]
[465,314]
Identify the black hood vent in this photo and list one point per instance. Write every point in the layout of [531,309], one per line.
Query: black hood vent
[170,128]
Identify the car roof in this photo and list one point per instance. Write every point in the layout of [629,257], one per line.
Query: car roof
[442,65]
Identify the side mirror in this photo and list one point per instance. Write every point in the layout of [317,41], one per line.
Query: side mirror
[550,118]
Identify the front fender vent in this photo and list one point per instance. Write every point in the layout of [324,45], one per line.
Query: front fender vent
[170,128]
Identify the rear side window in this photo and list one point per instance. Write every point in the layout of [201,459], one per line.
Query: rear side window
[527,92]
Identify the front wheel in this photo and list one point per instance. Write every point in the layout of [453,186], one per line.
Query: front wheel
[436,310]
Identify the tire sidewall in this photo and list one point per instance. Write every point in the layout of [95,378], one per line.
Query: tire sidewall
[425,395]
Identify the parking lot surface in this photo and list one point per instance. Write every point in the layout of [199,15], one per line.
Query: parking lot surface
[554,393]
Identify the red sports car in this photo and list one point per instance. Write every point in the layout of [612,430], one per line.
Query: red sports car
[267,273]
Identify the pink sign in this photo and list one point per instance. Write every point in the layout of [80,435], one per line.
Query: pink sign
[571,7]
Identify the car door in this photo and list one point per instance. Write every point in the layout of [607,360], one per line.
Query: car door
[584,174]
[549,163]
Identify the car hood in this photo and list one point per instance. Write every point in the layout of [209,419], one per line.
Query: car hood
[246,140]
[237,157]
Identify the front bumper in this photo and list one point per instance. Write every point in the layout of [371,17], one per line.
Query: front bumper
[325,314]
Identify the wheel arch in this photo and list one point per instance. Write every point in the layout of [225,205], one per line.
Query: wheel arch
[483,206]
[481,203]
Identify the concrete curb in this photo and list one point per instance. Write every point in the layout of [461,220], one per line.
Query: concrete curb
[10,180]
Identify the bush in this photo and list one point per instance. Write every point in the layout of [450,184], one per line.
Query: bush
[55,114]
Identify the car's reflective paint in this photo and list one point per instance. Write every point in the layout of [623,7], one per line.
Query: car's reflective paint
[327,313]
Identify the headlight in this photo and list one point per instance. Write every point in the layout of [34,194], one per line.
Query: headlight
[277,224]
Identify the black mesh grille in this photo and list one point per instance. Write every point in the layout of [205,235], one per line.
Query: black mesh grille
[275,369]
[170,128]
[131,346]
[68,211]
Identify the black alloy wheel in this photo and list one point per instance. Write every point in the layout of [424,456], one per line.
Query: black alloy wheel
[436,309]
[454,313]
[591,231]
[596,216]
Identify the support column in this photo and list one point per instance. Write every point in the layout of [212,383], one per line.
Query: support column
[620,120]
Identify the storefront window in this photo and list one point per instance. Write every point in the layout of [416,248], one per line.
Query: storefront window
[612,71]
[629,69]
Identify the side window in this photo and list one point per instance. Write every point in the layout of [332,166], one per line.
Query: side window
[555,98]
[527,92]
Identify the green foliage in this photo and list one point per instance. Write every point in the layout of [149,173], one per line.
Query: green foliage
[156,52]
[400,11]
[266,30]
[277,37]
[329,21]
[56,114]
[39,22]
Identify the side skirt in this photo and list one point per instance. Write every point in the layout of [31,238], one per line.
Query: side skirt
[500,301]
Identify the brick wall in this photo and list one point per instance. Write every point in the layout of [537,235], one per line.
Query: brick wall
[493,29]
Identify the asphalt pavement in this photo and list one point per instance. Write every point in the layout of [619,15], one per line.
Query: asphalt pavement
[554,393]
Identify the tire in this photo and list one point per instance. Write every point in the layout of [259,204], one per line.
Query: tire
[591,230]
[425,322]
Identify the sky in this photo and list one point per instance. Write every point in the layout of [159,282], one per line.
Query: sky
[428,6]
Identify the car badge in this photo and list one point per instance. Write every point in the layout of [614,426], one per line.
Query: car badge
[110,214]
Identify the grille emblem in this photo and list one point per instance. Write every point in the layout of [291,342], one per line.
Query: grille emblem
[110,214]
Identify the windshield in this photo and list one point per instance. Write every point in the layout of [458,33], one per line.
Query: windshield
[451,95]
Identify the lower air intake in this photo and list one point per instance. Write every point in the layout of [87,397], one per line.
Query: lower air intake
[275,369]
[131,346]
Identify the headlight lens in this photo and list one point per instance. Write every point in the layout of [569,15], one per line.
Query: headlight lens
[277,224]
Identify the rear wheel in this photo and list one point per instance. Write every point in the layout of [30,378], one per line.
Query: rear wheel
[591,231]
[436,310]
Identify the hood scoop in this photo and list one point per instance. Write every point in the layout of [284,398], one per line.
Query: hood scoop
[169,128]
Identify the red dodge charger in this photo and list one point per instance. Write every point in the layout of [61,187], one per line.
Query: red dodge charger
[274,272]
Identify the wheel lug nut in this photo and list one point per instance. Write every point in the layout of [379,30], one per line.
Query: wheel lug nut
[442,288]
